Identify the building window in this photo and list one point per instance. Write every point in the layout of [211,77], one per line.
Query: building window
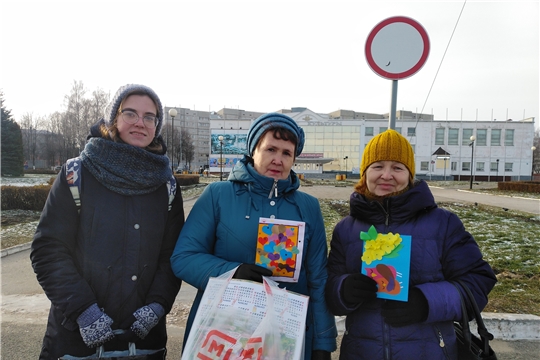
[495,137]
[424,166]
[398,129]
[411,131]
[369,131]
[439,136]
[480,166]
[453,136]
[493,166]
[467,133]
[383,129]
[481,137]
[466,166]
[509,137]
[508,167]
[453,165]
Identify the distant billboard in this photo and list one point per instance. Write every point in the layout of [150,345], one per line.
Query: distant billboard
[234,144]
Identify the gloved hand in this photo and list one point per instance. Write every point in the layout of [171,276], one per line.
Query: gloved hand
[95,326]
[147,317]
[320,355]
[357,288]
[400,313]
[251,272]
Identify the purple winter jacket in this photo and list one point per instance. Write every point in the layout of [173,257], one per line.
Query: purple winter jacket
[441,251]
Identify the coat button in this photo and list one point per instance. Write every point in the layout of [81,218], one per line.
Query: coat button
[272,216]
[136,226]
[272,203]
[134,278]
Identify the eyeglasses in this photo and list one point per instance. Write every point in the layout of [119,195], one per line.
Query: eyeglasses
[132,118]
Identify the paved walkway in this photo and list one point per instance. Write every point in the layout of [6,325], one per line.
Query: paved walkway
[25,307]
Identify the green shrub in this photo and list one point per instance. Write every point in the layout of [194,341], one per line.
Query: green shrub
[24,197]
[523,186]
[187,179]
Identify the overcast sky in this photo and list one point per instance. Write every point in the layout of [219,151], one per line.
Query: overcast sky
[268,55]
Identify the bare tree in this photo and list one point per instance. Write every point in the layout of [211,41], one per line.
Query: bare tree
[31,124]
[77,118]
[187,147]
[62,135]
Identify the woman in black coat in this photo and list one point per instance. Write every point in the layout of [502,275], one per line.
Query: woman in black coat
[105,265]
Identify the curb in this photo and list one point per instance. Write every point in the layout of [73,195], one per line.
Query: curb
[15,249]
[502,326]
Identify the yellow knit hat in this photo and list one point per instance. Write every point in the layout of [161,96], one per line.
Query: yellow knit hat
[388,146]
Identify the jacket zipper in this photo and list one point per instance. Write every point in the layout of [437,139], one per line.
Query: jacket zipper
[274,189]
[441,342]
[386,341]
[386,214]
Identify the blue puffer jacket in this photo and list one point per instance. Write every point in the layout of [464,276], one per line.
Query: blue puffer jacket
[220,233]
[441,251]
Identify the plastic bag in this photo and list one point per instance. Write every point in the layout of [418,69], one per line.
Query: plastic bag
[240,319]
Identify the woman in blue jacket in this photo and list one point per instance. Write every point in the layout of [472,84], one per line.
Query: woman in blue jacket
[221,230]
[107,266]
[441,251]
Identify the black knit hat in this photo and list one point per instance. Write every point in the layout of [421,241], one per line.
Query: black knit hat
[112,109]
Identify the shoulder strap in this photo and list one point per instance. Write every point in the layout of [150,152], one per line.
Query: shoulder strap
[468,298]
[73,177]
[171,187]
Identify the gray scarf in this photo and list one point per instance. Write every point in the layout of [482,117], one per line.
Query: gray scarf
[125,169]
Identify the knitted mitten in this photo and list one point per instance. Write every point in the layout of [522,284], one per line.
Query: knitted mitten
[95,326]
[147,317]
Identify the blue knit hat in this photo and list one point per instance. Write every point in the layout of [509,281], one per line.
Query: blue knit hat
[272,121]
[112,109]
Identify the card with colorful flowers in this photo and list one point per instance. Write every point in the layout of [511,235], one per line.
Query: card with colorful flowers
[387,260]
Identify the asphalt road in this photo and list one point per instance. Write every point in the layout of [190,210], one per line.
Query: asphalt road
[25,307]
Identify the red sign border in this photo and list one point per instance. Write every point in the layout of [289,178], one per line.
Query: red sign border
[397,76]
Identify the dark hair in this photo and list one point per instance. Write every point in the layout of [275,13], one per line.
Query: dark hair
[280,133]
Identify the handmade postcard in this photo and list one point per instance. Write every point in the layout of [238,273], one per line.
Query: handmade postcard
[387,260]
[279,247]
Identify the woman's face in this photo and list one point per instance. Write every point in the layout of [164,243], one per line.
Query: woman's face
[273,157]
[137,134]
[386,177]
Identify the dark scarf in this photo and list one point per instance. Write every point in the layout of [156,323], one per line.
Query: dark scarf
[125,169]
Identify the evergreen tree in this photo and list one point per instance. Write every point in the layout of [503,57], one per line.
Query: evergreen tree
[12,159]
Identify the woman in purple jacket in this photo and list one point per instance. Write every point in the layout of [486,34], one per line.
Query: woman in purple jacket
[387,198]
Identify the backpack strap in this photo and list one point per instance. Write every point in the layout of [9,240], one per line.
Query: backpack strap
[73,177]
[171,187]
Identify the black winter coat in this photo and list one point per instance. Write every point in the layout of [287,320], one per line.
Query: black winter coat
[116,253]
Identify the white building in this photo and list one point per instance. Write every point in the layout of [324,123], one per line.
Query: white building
[335,142]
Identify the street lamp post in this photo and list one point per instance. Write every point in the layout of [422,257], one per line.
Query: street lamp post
[496,177]
[220,157]
[207,165]
[346,158]
[472,160]
[532,164]
[172,114]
